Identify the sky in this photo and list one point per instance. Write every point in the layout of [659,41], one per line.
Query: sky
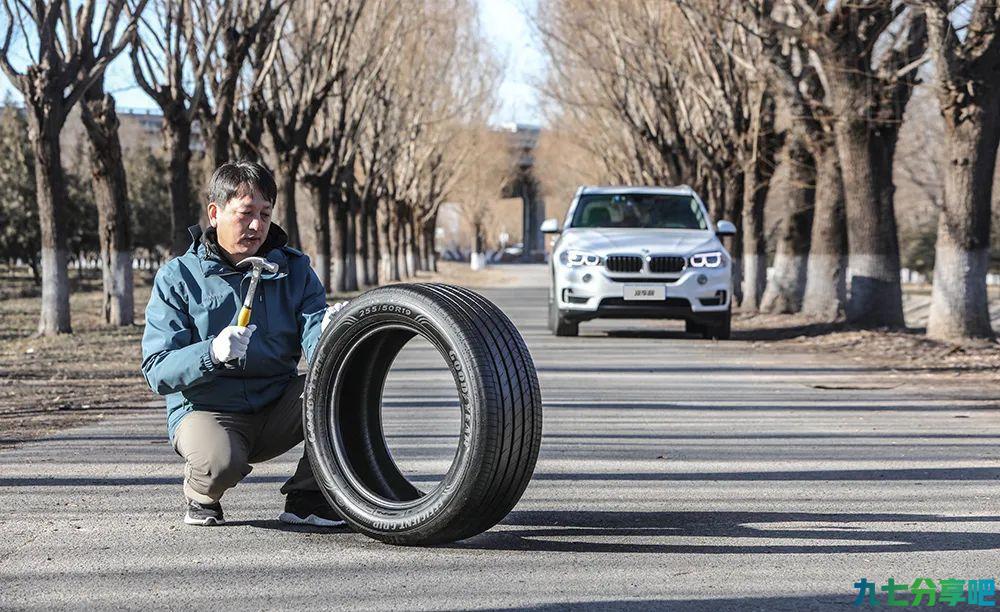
[505,25]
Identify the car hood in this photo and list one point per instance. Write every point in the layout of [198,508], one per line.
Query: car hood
[603,241]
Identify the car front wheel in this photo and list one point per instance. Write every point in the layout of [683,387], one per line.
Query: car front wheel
[558,324]
[719,328]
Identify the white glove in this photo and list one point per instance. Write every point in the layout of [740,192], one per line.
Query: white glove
[331,311]
[231,343]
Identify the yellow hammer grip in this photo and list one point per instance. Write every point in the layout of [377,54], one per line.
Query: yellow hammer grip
[244,317]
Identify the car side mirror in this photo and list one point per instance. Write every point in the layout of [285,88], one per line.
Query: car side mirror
[725,228]
[550,226]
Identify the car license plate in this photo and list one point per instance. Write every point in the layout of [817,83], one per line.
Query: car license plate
[645,292]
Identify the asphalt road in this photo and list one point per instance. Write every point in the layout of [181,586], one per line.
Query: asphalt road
[675,473]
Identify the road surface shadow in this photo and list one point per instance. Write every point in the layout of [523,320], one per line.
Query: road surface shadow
[860,475]
[754,604]
[604,532]
[756,334]
[276,525]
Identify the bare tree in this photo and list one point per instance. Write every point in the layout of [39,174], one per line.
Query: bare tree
[245,24]
[111,195]
[809,269]
[55,79]
[786,287]
[421,104]
[310,57]
[486,173]
[867,54]
[967,70]
[166,67]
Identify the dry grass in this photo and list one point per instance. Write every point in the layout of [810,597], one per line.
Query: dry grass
[52,381]
[905,350]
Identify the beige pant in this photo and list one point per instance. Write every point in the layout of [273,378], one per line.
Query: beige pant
[220,446]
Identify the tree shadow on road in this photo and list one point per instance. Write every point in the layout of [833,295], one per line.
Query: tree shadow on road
[638,532]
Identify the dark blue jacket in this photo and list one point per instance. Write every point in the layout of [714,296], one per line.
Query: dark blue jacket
[198,294]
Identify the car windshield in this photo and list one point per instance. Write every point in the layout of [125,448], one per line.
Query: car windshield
[639,210]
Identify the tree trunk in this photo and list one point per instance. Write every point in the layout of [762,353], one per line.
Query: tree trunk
[754,243]
[734,210]
[350,250]
[319,187]
[959,301]
[430,230]
[787,284]
[374,240]
[217,151]
[876,297]
[52,195]
[364,247]
[177,138]
[423,248]
[111,197]
[386,259]
[285,212]
[396,265]
[340,245]
[826,277]
[412,255]
[360,238]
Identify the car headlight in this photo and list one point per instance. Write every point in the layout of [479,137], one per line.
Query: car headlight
[711,259]
[574,258]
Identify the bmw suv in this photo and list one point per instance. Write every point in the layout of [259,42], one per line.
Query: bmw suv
[640,252]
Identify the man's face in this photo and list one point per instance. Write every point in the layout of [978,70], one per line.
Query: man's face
[242,224]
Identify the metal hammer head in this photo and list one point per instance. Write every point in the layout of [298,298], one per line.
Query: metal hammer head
[259,265]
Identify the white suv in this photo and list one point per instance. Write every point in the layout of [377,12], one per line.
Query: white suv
[640,252]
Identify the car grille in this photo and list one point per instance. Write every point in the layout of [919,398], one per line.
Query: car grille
[665,264]
[624,263]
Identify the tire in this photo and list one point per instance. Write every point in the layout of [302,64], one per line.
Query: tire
[501,414]
[719,328]
[558,324]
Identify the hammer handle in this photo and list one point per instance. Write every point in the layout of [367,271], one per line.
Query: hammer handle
[244,317]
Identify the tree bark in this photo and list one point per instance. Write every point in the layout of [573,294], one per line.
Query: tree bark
[826,278]
[387,270]
[177,138]
[111,197]
[340,245]
[876,298]
[285,212]
[350,250]
[412,255]
[319,187]
[967,75]
[754,244]
[959,301]
[734,212]
[423,248]
[364,247]
[50,186]
[786,287]
[396,265]
[374,249]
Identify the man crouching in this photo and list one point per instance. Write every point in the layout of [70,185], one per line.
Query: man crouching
[233,394]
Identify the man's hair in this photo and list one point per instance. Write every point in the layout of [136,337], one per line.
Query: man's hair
[238,179]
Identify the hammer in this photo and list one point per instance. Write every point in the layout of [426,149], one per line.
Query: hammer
[259,264]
